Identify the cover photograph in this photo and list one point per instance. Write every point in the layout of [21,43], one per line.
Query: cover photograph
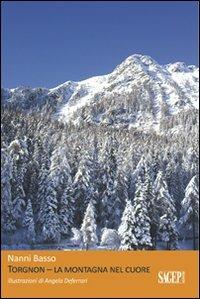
[99,149]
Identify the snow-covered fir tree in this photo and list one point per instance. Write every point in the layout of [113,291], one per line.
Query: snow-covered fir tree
[190,208]
[126,229]
[83,186]
[120,193]
[110,238]
[139,171]
[31,182]
[28,223]
[168,230]
[7,211]
[77,237]
[176,180]
[66,211]
[18,154]
[163,200]
[142,229]
[51,225]
[108,196]
[167,212]
[192,161]
[41,194]
[149,194]
[59,171]
[65,199]
[89,227]
[153,164]
[42,156]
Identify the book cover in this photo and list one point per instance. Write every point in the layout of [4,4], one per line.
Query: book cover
[99,152]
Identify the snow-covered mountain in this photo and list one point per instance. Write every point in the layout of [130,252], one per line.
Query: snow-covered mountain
[122,158]
[138,93]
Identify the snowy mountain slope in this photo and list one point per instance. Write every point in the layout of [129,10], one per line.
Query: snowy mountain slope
[138,93]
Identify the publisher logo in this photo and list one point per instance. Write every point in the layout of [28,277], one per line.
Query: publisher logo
[171,277]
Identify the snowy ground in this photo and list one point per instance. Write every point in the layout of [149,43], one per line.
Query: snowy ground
[66,245]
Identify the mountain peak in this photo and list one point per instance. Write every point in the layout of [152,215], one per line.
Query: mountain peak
[180,67]
[139,58]
[138,93]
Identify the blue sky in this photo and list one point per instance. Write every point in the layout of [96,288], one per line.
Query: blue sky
[48,43]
